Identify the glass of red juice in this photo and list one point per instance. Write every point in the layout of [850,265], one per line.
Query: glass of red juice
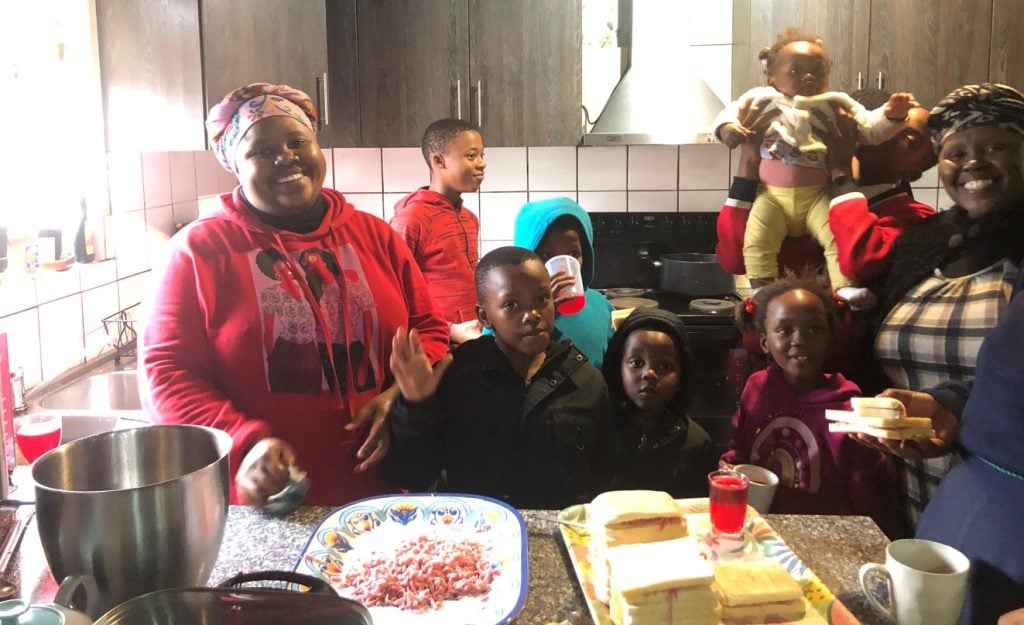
[727,492]
[37,434]
[574,295]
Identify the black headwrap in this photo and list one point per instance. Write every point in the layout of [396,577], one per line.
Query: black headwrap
[987,104]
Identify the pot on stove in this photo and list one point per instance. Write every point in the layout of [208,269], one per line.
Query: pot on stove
[694,274]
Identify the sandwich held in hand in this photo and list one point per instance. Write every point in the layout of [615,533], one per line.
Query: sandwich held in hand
[625,517]
[881,417]
[752,592]
[662,583]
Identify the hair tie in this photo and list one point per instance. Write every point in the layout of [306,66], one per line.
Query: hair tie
[840,302]
[749,306]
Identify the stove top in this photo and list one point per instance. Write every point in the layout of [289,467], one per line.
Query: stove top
[693,310]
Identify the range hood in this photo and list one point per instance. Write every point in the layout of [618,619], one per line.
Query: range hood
[660,99]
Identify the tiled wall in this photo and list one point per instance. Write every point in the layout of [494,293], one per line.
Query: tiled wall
[53,319]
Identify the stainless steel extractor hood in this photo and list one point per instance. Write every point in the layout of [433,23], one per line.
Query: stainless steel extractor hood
[660,98]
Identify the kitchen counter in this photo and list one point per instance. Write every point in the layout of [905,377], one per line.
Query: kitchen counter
[833,547]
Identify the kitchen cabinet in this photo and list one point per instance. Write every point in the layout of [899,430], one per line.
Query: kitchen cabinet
[262,41]
[1007,43]
[511,66]
[342,100]
[920,46]
[413,67]
[152,81]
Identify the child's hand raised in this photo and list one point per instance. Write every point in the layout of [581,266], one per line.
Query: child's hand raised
[899,105]
[415,378]
[733,134]
[559,281]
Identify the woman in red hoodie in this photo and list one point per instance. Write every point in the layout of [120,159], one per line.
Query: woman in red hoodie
[274,315]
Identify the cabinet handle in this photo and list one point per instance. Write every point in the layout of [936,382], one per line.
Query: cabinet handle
[327,100]
[479,105]
[458,98]
[880,81]
[860,80]
[319,104]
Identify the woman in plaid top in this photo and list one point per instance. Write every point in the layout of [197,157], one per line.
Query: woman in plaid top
[953,273]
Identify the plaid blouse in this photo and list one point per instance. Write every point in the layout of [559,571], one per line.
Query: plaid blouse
[933,335]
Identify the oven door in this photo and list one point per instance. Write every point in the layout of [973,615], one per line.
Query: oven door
[720,373]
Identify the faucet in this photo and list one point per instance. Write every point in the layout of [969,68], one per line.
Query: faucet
[18,391]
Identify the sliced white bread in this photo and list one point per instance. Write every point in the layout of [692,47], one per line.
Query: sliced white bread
[888,407]
[890,423]
[752,583]
[661,614]
[759,613]
[635,516]
[664,565]
[886,433]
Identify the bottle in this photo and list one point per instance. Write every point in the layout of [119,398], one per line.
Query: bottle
[83,236]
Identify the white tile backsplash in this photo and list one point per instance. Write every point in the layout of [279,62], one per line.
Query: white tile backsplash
[52,285]
[602,201]
[929,178]
[551,169]
[372,203]
[23,343]
[98,304]
[97,274]
[944,202]
[404,170]
[18,290]
[390,199]
[487,246]
[498,214]
[131,252]
[183,176]
[207,172]
[61,340]
[536,196]
[506,170]
[156,178]
[652,201]
[124,172]
[185,212]
[652,167]
[703,167]
[702,201]
[358,170]
[602,169]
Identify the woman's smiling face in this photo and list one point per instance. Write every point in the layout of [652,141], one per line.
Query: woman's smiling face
[280,166]
[981,168]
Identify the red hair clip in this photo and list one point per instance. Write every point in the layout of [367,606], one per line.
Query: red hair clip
[749,306]
[840,302]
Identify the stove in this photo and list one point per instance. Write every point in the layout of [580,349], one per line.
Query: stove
[627,247]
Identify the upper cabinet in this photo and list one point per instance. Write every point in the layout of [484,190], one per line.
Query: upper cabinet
[413,67]
[151,74]
[513,67]
[264,41]
[928,48]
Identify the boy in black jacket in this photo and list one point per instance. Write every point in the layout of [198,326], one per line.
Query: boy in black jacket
[511,416]
[649,371]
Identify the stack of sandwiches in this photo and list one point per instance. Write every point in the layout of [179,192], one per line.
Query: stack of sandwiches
[627,517]
[753,592]
[881,417]
[662,583]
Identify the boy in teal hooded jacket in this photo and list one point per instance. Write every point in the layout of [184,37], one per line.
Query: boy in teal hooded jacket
[561,226]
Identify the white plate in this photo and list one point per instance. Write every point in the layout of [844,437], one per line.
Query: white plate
[500,528]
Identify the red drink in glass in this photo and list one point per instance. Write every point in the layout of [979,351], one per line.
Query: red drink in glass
[728,498]
[36,435]
[572,306]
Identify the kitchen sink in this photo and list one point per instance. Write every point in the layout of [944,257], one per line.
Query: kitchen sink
[100,402]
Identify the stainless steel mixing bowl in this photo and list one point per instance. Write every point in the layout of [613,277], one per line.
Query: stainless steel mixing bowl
[139,510]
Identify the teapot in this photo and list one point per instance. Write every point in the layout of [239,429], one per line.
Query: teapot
[60,612]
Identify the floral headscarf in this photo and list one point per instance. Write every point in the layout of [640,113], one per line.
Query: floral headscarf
[229,120]
[986,104]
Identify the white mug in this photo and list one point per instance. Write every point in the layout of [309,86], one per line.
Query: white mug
[926,581]
[763,484]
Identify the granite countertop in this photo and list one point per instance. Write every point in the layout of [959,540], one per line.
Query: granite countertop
[834,547]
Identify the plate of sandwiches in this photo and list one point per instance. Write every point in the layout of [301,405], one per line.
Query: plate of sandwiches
[648,559]
[881,417]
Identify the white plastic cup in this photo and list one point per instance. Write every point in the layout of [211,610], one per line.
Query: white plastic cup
[926,580]
[763,484]
[571,267]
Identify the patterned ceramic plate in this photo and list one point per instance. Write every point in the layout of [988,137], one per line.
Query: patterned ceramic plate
[364,526]
[759,542]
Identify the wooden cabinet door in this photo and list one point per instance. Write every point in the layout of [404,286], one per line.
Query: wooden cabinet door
[1007,50]
[263,41]
[342,108]
[843,24]
[930,48]
[151,74]
[413,66]
[526,71]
